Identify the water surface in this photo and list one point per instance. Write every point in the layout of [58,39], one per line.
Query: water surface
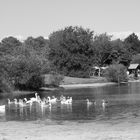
[123,104]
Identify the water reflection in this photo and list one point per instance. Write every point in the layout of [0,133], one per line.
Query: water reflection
[36,111]
[76,111]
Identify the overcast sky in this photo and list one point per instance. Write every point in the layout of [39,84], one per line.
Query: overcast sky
[42,17]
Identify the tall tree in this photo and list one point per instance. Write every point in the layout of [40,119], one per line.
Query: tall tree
[9,44]
[102,49]
[71,51]
[39,48]
[132,43]
[119,53]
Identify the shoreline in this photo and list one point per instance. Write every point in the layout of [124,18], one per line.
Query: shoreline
[74,86]
[67,130]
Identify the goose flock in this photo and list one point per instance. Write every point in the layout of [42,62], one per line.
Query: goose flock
[103,103]
[47,102]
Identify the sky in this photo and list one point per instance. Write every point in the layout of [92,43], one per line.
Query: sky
[24,18]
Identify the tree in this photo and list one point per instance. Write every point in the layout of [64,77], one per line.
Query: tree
[102,49]
[71,51]
[27,68]
[132,43]
[5,79]
[136,59]
[119,53]
[9,44]
[39,47]
[23,63]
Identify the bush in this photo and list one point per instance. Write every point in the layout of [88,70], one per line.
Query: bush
[34,83]
[116,73]
[5,86]
[53,79]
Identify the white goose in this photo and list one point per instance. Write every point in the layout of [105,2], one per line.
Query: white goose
[54,100]
[9,101]
[104,103]
[28,101]
[2,109]
[90,102]
[21,103]
[34,99]
[44,103]
[15,101]
[66,101]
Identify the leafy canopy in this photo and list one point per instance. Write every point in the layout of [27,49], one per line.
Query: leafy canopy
[71,51]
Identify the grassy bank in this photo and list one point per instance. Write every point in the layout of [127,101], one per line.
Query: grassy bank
[15,93]
[73,80]
[85,82]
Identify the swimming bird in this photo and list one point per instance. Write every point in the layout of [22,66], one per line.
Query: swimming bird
[9,101]
[52,100]
[90,102]
[66,101]
[2,109]
[44,103]
[34,99]
[15,101]
[69,100]
[21,103]
[28,101]
[104,103]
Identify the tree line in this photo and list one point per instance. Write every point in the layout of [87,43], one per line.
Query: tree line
[71,51]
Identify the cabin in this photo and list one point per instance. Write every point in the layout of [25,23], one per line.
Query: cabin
[134,69]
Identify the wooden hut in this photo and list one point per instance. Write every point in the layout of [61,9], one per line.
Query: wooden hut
[133,69]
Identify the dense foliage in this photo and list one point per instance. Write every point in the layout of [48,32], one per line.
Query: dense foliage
[22,63]
[72,51]
[116,73]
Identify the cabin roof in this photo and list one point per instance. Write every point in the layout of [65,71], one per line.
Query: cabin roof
[133,66]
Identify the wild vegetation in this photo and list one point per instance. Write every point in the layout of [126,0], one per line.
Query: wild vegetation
[71,51]
[116,73]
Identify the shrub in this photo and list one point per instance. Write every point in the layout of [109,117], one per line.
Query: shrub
[5,86]
[35,82]
[53,79]
[116,73]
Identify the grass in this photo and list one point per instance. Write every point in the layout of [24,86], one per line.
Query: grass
[15,93]
[66,81]
[73,80]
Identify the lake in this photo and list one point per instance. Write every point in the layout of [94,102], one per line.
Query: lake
[123,103]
